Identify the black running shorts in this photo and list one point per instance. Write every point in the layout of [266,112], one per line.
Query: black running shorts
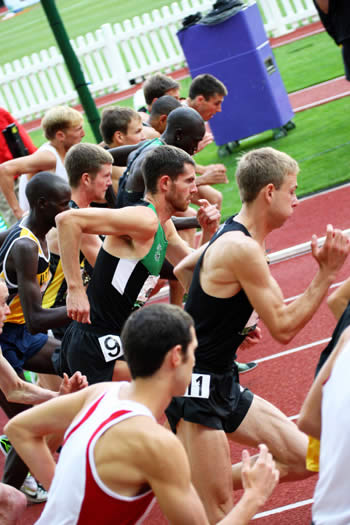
[215,400]
[91,352]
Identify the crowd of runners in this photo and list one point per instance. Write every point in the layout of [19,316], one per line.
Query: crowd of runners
[95,231]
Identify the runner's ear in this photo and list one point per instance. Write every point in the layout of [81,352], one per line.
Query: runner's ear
[176,356]
[268,191]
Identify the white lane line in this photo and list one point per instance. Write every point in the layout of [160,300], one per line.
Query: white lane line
[311,88]
[329,190]
[319,102]
[291,299]
[293,350]
[278,510]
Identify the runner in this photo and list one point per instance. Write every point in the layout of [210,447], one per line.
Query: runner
[89,172]
[324,416]
[117,455]
[128,265]
[231,287]
[63,127]
[24,265]
[22,393]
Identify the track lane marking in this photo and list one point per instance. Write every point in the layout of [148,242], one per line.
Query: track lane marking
[278,510]
[293,350]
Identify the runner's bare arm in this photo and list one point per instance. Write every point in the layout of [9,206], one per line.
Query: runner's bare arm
[310,420]
[167,471]
[323,5]
[121,153]
[339,299]
[177,248]
[18,391]
[184,270]
[23,259]
[29,429]
[135,224]
[90,246]
[172,483]
[31,164]
[209,219]
[247,263]
[212,174]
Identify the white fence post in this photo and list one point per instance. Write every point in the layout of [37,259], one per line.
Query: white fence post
[282,16]
[36,89]
[8,92]
[113,57]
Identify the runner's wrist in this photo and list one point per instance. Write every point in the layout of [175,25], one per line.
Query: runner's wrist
[254,497]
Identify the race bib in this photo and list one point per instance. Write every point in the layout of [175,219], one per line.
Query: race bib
[199,386]
[111,347]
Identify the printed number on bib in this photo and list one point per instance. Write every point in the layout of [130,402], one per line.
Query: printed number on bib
[111,347]
[199,386]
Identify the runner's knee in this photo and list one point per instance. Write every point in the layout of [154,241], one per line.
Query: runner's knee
[12,504]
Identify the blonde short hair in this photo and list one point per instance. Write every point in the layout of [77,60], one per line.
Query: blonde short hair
[60,118]
[260,167]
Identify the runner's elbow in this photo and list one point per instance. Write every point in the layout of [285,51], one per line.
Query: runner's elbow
[308,426]
[5,172]
[15,431]
[62,218]
[34,324]
[302,423]
[283,327]
[282,335]
[284,339]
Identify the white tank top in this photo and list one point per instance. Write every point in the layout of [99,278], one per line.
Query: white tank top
[60,170]
[77,495]
[332,493]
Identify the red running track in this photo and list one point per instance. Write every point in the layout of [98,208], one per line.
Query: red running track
[283,379]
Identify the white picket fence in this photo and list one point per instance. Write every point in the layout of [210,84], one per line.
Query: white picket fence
[117,56]
[18,5]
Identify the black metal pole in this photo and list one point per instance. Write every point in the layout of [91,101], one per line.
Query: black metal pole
[73,66]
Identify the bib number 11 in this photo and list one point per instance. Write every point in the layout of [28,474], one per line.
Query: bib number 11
[199,386]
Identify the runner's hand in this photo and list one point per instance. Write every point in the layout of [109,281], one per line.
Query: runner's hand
[207,139]
[251,339]
[78,306]
[260,478]
[214,174]
[208,216]
[19,213]
[332,255]
[72,384]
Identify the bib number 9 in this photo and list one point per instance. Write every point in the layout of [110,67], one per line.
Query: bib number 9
[111,347]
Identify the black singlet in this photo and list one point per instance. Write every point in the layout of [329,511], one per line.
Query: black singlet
[218,321]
